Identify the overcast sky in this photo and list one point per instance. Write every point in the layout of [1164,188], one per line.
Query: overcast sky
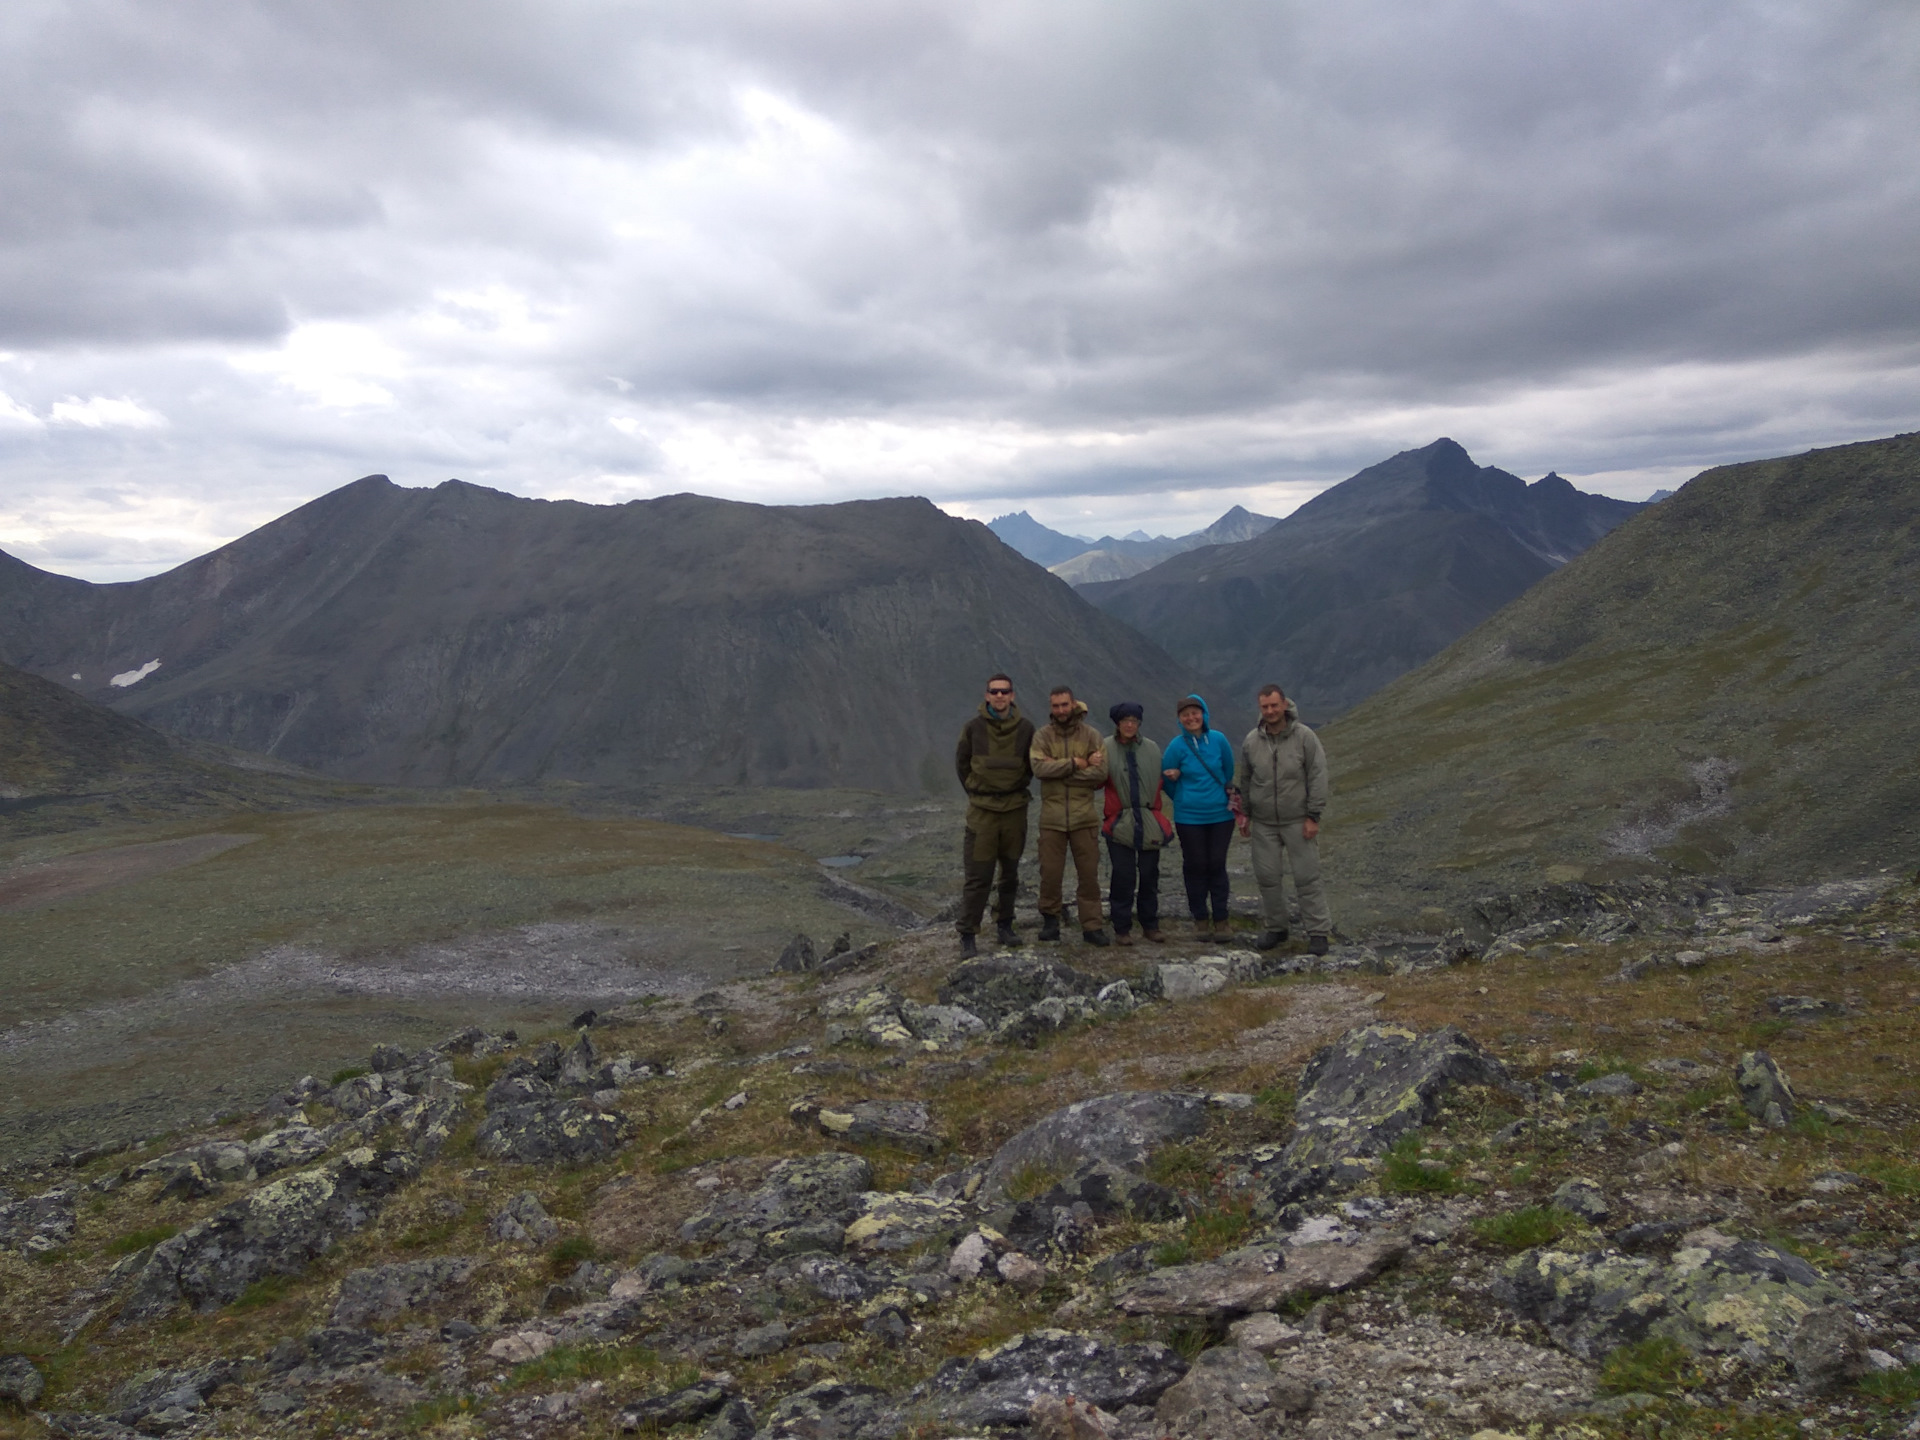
[1119,264]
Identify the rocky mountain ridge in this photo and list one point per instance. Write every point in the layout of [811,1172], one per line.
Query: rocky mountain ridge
[1081,562]
[459,635]
[1365,581]
[755,1219]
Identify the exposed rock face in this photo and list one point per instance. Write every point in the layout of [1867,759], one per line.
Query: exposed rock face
[559,1131]
[995,986]
[1362,1093]
[277,1229]
[803,1204]
[998,1386]
[1120,1130]
[382,1293]
[1716,1295]
[37,1224]
[1259,1277]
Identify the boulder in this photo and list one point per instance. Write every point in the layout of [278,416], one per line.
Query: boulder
[21,1381]
[903,1124]
[1029,1026]
[833,1411]
[734,1422]
[761,1341]
[1057,1417]
[1121,1130]
[523,1220]
[1828,1351]
[356,1095]
[572,1132]
[38,1223]
[1107,1190]
[1361,1094]
[677,1407]
[1230,1394]
[1764,1089]
[822,1190]
[381,1293]
[291,1145]
[999,1385]
[1190,981]
[278,1229]
[1615,1086]
[153,1393]
[995,986]
[1583,1198]
[797,957]
[1259,1277]
[890,1223]
[1717,1295]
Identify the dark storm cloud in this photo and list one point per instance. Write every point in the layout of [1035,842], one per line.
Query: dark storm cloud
[1070,248]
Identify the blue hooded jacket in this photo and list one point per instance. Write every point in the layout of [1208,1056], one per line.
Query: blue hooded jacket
[1205,763]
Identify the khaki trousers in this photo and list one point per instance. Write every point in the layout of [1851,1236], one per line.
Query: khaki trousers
[1275,845]
[1085,844]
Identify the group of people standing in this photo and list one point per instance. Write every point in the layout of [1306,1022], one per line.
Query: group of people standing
[1117,787]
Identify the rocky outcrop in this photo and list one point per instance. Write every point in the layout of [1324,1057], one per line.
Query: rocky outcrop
[998,1386]
[1231,1394]
[1259,1277]
[1717,1295]
[563,1132]
[1764,1090]
[382,1293]
[995,986]
[37,1225]
[1119,1131]
[278,1229]
[804,1204]
[902,1124]
[1361,1094]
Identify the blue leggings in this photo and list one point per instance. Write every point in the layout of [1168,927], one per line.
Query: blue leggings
[1203,864]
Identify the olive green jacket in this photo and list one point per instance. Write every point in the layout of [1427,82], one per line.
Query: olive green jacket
[992,760]
[1070,799]
[1283,776]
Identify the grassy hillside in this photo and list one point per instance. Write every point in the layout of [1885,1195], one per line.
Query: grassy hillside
[1730,682]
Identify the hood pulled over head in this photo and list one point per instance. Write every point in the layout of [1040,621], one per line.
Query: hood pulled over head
[1206,719]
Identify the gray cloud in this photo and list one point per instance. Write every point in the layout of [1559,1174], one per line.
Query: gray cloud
[987,253]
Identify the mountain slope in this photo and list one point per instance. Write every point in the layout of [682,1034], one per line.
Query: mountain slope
[459,635]
[1037,542]
[52,740]
[1364,581]
[1730,682]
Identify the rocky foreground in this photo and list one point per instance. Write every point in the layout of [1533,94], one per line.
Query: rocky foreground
[1626,1160]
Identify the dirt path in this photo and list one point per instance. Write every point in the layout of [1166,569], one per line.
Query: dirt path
[30,887]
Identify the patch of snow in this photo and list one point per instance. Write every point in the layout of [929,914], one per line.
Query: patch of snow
[133,677]
[76,674]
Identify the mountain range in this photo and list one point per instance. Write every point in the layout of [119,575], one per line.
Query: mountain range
[458,635]
[1079,561]
[1366,580]
[1727,683]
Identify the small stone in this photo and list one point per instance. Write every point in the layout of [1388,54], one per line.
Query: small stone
[1265,1333]
[735,1101]
[889,1325]
[1023,1274]
[1064,1417]
[1615,1085]
[969,1256]
[1116,999]
[1190,982]
[1583,1198]
[761,1341]
[797,957]
[520,1347]
[524,1221]
[1764,1089]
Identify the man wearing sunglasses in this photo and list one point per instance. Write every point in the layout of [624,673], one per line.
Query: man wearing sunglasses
[995,769]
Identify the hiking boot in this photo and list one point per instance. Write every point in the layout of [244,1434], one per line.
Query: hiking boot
[1123,937]
[1269,939]
[1316,944]
[1222,931]
[1156,935]
[1202,931]
[967,947]
[1095,937]
[1008,935]
[1049,927]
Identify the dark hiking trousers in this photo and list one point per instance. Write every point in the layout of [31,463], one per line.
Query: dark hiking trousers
[994,838]
[1203,864]
[1135,872]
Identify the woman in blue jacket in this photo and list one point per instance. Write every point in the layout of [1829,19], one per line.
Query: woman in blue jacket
[1199,770]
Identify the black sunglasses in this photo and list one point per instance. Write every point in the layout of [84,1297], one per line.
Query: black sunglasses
[999,690]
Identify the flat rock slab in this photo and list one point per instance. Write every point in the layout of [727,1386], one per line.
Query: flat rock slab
[1121,1129]
[1259,1277]
[902,1124]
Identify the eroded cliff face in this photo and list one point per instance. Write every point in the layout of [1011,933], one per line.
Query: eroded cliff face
[458,635]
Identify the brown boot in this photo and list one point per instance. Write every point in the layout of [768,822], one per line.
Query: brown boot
[1123,937]
[1202,932]
[1158,937]
[1222,932]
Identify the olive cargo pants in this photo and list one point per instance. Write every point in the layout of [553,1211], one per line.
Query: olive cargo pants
[1085,844]
[994,838]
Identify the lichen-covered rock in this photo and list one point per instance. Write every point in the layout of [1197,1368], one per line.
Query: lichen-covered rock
[1107,1190]
[37,1223]
[1259,1277]
[356,1095]
[381,1293]
[21,1381]
[1362,1093]
[1716,1295]
[1122,1130]
[1764,1089]
[1190,981]
[1828,1351]
[278,1229]
[889,1223]
[903,1124]
[1580,1196]
[1230,1394]
[833,1411]
[823,1189]
[733,1422]
[573,1132]
[676,1407]
[1029,1026]
[999,1385]
[156,1392]
[295,1143]
[995,986]
[523,1220]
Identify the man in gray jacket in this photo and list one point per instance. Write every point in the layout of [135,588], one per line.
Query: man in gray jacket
[1284,779]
